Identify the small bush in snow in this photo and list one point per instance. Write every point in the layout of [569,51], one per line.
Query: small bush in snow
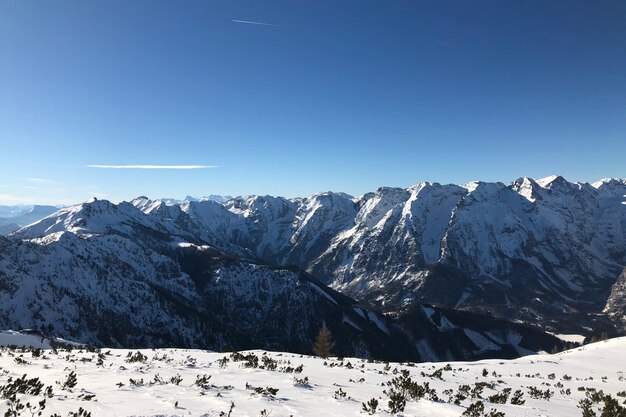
[610,406]
[477,409]
[516,399]
[501,397]
[371,406]
[340,394]
[136,357]
[70,381]
[23,385]
[538,394]
[202,381]
[301,382]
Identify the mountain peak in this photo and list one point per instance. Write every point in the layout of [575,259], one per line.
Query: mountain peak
[526,187]
[609,182]
[549,181]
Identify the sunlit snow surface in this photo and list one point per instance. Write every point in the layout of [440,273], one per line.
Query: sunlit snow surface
[603,361]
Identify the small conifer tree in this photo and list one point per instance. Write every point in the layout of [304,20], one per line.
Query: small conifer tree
[324,343]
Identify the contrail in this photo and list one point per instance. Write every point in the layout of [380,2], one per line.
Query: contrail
[153,166]
[249,22]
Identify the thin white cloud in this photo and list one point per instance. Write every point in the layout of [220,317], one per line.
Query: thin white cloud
[42,181]
[250,22]
[153,166]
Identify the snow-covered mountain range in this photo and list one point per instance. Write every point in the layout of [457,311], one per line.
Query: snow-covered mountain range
[265,272]
[544,250]
[146,274]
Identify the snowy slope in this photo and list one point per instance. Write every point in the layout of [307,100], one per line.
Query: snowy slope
[163,382]
[34,339]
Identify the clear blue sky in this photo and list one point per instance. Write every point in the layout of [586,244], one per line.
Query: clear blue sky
[333,95]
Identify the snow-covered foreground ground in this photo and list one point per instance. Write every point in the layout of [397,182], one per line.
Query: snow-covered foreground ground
[163,382]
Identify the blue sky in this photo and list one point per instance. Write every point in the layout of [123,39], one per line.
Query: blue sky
[333,95]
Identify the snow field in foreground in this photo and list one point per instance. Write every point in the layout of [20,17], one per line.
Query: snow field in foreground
[154,390]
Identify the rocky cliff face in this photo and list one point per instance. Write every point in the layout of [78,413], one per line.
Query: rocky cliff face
[616,304]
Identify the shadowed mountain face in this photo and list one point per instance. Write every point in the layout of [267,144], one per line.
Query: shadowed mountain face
[113,275]
[7,228]
[545,251]
[616,305]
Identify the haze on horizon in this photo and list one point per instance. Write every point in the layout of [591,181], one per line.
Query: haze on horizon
[120,99]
